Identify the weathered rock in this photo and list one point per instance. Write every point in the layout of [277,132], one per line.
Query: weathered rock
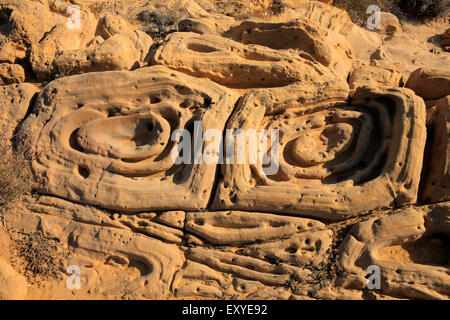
[15,101]
[437,187]
[401,245]
[61,38]
[116,53]
[445,41]
[207,24]
[9,53]
[389,23]
[159,260]
[11,73]
[26,23]
[237,228]
[110,25]
[301,37]
[326,165]
[371,75]
[105,138]
[247,267]
[237,65]
[13,285]
[332,18]
[430,84]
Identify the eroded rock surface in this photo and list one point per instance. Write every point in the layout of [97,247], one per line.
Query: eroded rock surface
[113,138]
[330,166]
[357,178]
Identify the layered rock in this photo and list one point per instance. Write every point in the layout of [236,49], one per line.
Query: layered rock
[372,75]
[15,102]
[430,84]
[105,138]
[237,65]
[437,185]
[407,249]
[118,47]
[335,160]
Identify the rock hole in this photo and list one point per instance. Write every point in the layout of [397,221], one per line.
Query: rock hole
[83,171]
[200,222]
[291,249]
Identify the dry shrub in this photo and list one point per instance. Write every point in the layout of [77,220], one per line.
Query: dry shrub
[424,10]
[357,10]
[418,10]
[41,258]
[16,177]
[162,21]
[241,9]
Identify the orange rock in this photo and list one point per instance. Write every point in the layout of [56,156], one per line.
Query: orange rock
[437,187]
[11,73]
[233,64]
[429,83]
[390,243]
[87,136]
[371,75]
[329,167]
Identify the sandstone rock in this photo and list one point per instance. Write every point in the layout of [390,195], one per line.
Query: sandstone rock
[110,25]
[327,166]
[159,260]
[15,101]
[207,24]
[399,245]
[364,74]
[332,18]
[120,47]
[430,84]
[70,211]
[116,53]
[237,228]
[389,23]
[351,149]
[248,267]
[437,187]
[307,248]
[13,285]
[446,34]
[60,38]
[26,23]
[11,73]
[87,134]
[234,64]
[143,223]
[9,53]
[302,37]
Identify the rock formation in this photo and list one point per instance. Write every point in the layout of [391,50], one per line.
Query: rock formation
[308,150]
